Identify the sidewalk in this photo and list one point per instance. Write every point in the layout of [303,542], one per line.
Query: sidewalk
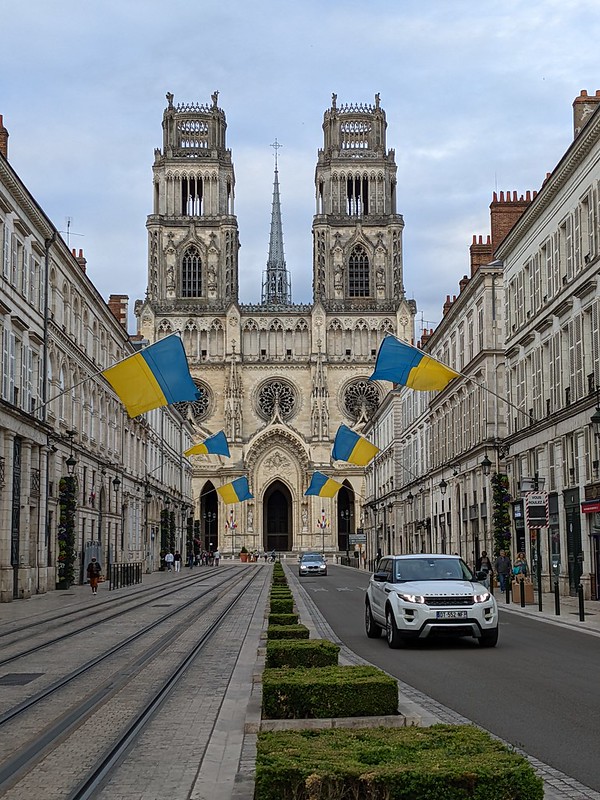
[569,611]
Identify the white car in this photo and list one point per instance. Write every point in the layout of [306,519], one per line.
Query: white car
[416,596]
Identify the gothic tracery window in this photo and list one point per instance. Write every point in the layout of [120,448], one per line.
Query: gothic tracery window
[199,409]
[358,272]
[360,400]
[276,396]
[191,273]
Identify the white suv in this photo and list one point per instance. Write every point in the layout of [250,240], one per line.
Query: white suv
[416,596]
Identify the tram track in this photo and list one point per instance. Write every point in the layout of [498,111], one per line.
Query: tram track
[162,656]
[129,604]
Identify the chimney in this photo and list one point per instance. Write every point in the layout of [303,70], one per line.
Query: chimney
[3,139]
[505,213]
[480,253]
[119,306]
[583,108]
[81,260]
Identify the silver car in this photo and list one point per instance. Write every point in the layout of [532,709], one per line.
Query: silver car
[312,564]
[417,596]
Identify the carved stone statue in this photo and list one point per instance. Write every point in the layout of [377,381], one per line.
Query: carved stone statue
[250,519]
[170,96]
[215,97]
[304,519]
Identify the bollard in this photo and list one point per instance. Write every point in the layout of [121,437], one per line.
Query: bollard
[507,587]
[581,609]
[556,599]
[522,591]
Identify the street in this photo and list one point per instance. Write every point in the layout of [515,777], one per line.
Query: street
[536,689]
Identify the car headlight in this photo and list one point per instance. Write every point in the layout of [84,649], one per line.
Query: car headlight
[411,598]
[482,598]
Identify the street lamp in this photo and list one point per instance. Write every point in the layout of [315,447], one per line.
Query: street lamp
[595,420]
[443,486]
[347,515]
[486,465]
[210,517]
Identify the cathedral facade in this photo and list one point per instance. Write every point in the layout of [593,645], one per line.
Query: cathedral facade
[277,377]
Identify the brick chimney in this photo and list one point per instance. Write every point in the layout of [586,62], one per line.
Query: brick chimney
[119,306]
[81,260]
[505,212]
[480,253]
[3,139]
[583,108]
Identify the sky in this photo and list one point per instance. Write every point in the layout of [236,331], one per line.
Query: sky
[478,97]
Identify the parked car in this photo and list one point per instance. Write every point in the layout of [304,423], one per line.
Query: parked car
[417,596]
[312,564]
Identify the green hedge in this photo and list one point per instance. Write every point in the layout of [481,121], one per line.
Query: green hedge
[283,619]
[328,692]
[287,632]
[280,581]
[311,653]
[443,762]
[285,606]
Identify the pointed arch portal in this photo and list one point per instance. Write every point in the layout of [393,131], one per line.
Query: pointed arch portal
[277,518]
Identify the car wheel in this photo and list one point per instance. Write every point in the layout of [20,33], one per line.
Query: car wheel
[372,629]
[489,638]
[392,634]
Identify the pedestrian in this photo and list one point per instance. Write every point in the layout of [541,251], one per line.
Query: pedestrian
[93,571]
[503,568]
[177,560]
[169,559]
[483,564]
[520,568]
[216,557]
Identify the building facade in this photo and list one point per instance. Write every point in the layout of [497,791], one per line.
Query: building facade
[77,477]
[276,376]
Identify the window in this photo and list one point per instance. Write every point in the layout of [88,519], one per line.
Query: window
[358,272]
[191,273]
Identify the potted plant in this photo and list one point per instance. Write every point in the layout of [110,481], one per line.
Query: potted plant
[244,554]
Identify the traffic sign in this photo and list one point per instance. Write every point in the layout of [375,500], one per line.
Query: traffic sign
[536,509]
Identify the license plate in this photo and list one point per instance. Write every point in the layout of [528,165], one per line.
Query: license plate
[451,614]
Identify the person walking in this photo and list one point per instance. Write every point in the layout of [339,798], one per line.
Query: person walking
[483,564]
[216,557]
[93,572]
[169,559]
[503,568]
[177,560]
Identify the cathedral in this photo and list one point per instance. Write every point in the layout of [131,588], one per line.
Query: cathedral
[277,377]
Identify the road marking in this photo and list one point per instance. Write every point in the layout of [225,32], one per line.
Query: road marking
[343,589]
[319,590]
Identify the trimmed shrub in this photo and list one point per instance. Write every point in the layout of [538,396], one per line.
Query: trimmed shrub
[443,762]
[280,581]
[311,653]
[287,632]
[283,619]
[285,594]
[285,606]
[328,692]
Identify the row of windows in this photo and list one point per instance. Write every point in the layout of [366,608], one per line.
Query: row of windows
[21,267]
[561,256]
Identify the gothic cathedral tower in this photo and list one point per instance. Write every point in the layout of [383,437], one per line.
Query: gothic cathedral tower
[277,377]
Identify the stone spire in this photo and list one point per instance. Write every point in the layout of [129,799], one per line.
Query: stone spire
[276,288]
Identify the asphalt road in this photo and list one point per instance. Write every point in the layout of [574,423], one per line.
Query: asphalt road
[538,689]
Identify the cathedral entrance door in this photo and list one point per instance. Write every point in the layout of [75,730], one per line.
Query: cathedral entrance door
[277,510]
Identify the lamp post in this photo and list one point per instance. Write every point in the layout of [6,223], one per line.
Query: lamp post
[116,486]
[347,514]
[210,517]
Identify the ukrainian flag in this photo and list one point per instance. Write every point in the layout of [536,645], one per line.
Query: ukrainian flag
[323,486]
[156,376]
[214,445]
[401,363]
[235,492]
[349,446]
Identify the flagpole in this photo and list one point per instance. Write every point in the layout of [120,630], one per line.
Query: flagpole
[100,371]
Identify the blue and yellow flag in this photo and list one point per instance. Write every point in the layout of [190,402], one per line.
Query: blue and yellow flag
[349,446]
[235,492]
[156,376]
[401,363]
[214,445]
[323,486]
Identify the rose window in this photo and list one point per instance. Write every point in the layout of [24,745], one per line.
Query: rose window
[361,400]
[276,397]
[198,409]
